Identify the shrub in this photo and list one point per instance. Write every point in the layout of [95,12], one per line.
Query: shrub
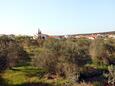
[45,59]
[99,53]
[111,75]
[75,53]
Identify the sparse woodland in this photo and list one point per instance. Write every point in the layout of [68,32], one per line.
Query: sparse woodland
[25,61]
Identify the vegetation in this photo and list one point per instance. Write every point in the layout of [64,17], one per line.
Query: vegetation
[25,61]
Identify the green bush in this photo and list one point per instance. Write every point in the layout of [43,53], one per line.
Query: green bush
[99,53]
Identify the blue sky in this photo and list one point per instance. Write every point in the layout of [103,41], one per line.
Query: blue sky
[56,17]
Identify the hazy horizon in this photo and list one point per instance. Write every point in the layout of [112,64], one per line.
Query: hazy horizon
[56,17]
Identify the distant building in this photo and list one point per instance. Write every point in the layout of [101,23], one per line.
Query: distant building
[40,35]
[91,36]
[111,36]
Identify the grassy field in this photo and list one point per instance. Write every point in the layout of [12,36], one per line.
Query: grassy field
[33,76]
[27,75]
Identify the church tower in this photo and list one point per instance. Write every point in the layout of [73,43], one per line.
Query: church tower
[39,33]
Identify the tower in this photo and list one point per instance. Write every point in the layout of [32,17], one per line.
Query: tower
[39,34]
[39,31]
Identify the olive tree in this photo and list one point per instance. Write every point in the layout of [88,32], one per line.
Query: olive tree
[10,52]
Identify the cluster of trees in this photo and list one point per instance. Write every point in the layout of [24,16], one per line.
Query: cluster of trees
[64,57]
[11,53]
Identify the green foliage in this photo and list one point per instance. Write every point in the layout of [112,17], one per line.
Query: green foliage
[66,58]
[53,45]
[25,74]
[110,46]
[3,61]
[31,71]
[97,83]
[62,57]
[101,52]
[25,41]
[111,75]
[10,52]
[45,59]
[75,53]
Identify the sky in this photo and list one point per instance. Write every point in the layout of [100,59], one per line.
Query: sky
[56,17]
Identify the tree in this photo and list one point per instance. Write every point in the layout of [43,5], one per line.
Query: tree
[63,57]
[10,52]
[44,58]
[3,60]
[75,53]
